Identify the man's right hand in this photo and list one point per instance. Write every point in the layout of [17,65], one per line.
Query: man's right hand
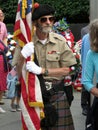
[27,50]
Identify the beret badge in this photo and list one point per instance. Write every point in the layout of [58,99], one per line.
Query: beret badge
[36,5]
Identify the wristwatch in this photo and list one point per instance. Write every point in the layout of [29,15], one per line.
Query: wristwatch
[46,72]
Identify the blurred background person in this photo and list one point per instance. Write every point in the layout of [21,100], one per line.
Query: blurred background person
[4,28]
[3,62]
[14,90]
[91,69]
[1,15]
[84,30]
[85,95]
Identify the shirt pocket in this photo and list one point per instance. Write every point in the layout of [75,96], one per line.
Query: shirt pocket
[53,61]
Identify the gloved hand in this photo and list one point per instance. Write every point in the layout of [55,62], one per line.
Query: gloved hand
[32,67]
[27,50]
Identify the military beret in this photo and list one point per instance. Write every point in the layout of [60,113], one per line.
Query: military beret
[42,10]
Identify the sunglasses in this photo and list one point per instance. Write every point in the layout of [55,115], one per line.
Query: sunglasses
[44,19]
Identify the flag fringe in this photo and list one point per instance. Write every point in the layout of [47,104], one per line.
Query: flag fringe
[16,33]
[42,114]
[36,104]
[24,6]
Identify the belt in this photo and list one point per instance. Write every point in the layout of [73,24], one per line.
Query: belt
[54,86]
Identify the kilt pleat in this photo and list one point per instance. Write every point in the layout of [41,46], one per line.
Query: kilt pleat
[65,121]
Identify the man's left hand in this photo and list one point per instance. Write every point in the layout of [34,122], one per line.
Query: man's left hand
[32,67]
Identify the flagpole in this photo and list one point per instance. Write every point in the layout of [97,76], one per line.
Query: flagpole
[31,96]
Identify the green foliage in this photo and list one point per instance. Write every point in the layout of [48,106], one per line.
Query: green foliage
[9,8]
[76,11]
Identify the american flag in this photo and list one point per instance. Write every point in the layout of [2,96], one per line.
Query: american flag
[23,23]
[31,99]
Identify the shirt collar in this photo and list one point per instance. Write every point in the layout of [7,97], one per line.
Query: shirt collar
[51,38]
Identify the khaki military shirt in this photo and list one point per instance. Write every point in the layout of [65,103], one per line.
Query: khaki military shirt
[55,53]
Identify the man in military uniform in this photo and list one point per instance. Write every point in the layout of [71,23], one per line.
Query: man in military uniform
[55,59]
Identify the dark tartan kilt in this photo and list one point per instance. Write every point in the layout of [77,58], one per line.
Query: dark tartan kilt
[65,121]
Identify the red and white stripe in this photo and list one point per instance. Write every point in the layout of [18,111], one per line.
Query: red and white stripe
[23,26]
[31,99]
[30,114]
